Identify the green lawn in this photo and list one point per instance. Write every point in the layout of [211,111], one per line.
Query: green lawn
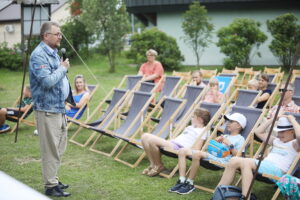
[92,176]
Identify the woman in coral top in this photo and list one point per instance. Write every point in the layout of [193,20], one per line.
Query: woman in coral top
[152,70]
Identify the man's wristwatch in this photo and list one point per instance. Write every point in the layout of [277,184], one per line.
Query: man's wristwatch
[231,146]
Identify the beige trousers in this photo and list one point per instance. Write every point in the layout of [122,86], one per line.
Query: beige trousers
[52,129]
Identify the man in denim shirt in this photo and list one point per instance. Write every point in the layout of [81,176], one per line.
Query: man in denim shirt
[50,89]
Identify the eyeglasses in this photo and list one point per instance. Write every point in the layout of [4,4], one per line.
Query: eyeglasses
[150,55]
[282,90]
[56,34]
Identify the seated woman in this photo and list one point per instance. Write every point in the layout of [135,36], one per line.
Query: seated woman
[153,143]
[285,148]
[152,70]
[213,94]
[197,78]
[263,81]
[289,187]
[81,95]
[7,113]
[236,123]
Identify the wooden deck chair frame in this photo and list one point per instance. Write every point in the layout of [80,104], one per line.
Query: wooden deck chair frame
[207,73]
[98,109]
[228,71]
[248,142]
[264,177]
[22,118]
[135,142]
[272,96]
[296,73]
[270,70]
[84,106]
[111,133]
[244,76]
[174,153]
[186,76]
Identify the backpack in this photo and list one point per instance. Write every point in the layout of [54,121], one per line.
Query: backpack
[224,192]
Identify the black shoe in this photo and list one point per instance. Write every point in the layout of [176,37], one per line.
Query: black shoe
[176,187]
[186,188]
[56,192]
[62,186]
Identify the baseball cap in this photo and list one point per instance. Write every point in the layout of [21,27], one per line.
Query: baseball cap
[238,117]
[283,124]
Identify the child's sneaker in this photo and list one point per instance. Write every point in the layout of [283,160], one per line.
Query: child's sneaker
[176,187]
[4,128]
[186,188]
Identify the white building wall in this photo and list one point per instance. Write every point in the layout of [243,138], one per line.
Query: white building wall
[62,14]
[170,23]
[13,37]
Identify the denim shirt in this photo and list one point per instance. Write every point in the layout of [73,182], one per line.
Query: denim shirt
[47,80]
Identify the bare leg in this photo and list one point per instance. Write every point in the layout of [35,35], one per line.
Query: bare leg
[146,145]
[246,165]
[197,156]
[155,144]
[182,160]
[2,116]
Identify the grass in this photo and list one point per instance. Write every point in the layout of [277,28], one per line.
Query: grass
[92,176]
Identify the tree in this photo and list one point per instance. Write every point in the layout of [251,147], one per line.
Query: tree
[238,40]
[168,51]
[197,28]
[108,20]
[75,31]
[286,35]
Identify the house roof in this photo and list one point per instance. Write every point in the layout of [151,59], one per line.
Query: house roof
[12,12]
[153,6]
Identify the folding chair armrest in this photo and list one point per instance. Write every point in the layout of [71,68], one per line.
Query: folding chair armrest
[271,176]
[217,163]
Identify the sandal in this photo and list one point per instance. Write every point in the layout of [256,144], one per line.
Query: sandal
[147,170]
[155,171]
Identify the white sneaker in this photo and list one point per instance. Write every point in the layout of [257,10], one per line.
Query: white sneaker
[35,132]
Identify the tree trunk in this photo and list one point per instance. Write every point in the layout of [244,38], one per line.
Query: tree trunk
[111,59]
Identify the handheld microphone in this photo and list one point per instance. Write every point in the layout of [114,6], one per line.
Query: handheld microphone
[63,53]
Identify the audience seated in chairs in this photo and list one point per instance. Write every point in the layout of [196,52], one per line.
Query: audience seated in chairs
[278,161]
[263,81]
[213,94]
[6,113]
[197,78]
[152,143]
[288,105]
[81,95]
[236,122]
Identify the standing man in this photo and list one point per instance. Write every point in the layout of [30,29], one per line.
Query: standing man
[50,89]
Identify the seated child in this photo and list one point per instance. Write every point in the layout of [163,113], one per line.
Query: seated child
[8,113]
[213,94]
[152,143]
[236,123]
[197,78]
[252,84]
[285,148]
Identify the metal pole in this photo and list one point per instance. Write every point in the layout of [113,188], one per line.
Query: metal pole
[24,67]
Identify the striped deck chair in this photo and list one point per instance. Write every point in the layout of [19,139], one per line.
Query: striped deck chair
[117,98]
[170,86]
[215,111]
[147,87]
[163,129]
[253,117]
[133,121]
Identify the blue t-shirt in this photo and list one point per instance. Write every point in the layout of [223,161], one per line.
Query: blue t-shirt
[72,112]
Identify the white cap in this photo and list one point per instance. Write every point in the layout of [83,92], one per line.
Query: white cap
[283,124]
[238,117]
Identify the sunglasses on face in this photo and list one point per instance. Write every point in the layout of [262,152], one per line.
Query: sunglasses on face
[283,90]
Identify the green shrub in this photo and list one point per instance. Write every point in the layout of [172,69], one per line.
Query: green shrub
[10,58]
[168,51]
